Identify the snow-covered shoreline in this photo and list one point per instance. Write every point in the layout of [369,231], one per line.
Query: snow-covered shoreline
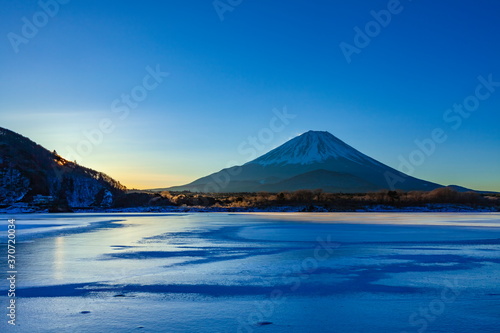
[430,208]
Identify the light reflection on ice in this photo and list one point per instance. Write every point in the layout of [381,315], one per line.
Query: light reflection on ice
[59,262]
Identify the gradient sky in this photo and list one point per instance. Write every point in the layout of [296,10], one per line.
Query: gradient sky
[227,76]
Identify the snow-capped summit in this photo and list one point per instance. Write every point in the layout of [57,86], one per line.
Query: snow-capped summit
[311,147]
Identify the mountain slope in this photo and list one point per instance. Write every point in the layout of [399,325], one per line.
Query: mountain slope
[328,181]
[28,170]
[302,156]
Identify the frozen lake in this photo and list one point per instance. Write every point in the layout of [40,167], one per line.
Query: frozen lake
[218,272]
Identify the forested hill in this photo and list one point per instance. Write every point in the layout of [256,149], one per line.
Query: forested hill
[31,173]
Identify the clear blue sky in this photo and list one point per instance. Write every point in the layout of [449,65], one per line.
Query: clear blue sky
[226,77]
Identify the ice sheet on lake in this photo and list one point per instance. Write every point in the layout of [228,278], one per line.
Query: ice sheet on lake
[343,272]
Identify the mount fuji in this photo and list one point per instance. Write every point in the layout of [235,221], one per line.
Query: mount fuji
[313,160]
